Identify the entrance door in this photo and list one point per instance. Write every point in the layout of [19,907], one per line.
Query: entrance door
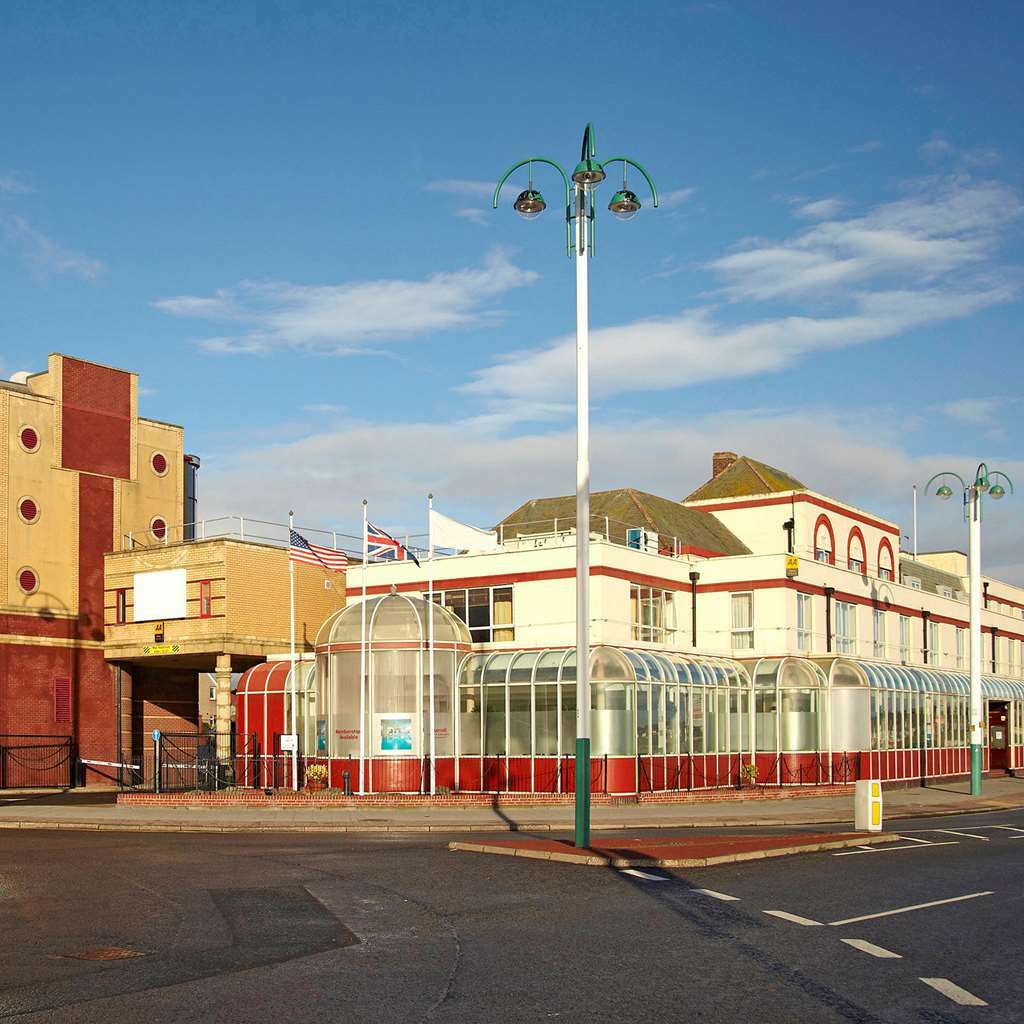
[998,735]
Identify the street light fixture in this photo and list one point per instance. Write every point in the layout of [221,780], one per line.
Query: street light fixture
[984,483]
[579,211]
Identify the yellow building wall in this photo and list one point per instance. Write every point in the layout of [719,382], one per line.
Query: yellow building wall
[149,495]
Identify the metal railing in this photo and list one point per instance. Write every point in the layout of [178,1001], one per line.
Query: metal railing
[36,762]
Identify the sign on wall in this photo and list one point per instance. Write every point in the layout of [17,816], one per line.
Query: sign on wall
[159,595]
[792,566]
[396,733]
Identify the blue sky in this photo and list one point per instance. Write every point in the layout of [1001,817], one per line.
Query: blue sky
[278,214]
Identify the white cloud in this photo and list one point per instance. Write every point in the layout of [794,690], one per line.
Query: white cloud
[345,318]
[481,474]
[45,255]
[12,185]
[820,209]
[978,411]
[675,198]
[475,215]
[936,148]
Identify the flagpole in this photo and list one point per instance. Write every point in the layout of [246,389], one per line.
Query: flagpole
[430,636]
[294,731]
[362,668]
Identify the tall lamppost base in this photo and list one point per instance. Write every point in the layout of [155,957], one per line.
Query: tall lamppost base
[976,765]
[582,839]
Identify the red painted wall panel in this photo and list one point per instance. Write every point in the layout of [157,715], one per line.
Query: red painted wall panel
[95,419]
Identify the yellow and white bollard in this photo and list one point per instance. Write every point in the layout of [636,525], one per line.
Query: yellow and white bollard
[867,805]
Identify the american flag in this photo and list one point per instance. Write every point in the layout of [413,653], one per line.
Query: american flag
[380,544]
[300,550]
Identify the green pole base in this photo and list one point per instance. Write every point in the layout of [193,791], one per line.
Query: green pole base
[582,837]
[976,763]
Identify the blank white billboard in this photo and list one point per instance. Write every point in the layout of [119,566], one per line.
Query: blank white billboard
[160,595]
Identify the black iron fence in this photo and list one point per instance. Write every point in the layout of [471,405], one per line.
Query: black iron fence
[36,762]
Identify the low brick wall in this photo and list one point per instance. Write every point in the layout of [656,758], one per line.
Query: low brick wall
[256,798]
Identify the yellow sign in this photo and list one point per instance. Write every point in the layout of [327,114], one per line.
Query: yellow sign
[792,566]
[158,632]
[161,649]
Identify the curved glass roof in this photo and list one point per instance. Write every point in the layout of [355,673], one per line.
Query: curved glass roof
[391,618]
[852,672]
[789,672]
[558,664]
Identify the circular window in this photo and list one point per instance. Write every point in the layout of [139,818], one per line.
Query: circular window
[29,439]
[28,580]
[159,528]
[28,510]
[159,463]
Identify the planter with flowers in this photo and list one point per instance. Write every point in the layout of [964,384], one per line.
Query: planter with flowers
[316,778]
[748,775]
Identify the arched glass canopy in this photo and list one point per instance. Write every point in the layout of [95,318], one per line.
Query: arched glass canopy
[392,618]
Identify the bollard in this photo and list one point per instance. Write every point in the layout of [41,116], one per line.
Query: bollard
[346,782]
[867,805]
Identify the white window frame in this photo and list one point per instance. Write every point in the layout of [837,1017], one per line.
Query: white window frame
[878,632]
[905,639]
[934,643]
[441,597]
[846,627]
[804,622]
[741,632]
[961,647]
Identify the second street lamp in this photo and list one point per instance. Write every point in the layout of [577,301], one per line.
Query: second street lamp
[579,211]
[984,483]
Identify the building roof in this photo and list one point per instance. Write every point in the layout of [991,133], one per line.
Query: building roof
[624,508]
[745,477]
[930,577]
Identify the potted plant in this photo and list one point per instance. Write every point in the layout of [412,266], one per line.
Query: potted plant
[748,775]
[316,777]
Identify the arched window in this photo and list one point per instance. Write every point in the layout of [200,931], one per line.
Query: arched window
[855,551]
[824,541]
[885,560]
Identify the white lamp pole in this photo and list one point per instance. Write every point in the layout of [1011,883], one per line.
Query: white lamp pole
[985,482]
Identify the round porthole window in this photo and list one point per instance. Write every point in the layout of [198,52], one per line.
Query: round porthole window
[28,438]
[28,510]
[159,528]
[28,581]
[159,463]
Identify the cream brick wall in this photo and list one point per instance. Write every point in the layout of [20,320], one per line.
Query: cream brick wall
[148,495]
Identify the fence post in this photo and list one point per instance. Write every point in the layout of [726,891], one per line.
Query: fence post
[156,760]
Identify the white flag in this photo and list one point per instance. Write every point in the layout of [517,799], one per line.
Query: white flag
[450,533]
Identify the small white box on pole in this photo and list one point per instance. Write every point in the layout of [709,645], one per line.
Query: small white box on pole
[867,805]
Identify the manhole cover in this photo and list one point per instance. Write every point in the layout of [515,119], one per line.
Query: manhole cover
[107,953]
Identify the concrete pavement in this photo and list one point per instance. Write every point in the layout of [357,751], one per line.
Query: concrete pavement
[93,810]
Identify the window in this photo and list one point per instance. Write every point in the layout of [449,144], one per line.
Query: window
[205,599]
[855,551]
[961,648]
[121,607]
[642,540]
[159,528]
[804,624]
[904,638]
[934,646]
[885,560]
[824,544]
[486,610]
[28,439]
[913,582]
[652,614]
[1012,651]
[878,634]
[28,510]
[743,622]
[28,581]
[846,627]
[946,592]
[159,463]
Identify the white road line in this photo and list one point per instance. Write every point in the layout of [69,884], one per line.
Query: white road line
[869,947]
[954,992]
[896,849]
[644,875]
[963,835]
[913,839]
[1009,828]
[794,918]
[716,895]
[906,910]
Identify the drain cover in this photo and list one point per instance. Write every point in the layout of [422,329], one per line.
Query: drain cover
[107,953]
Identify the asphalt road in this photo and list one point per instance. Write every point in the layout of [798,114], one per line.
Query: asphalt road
[384,928]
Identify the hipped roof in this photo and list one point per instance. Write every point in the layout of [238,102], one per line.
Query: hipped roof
[746,477]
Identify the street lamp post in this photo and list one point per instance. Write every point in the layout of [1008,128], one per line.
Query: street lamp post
[984,483]
[579,211]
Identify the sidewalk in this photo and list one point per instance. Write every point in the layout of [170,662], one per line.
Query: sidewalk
[97,810]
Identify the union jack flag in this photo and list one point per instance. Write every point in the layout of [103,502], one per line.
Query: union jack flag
[300,550]
[381,545]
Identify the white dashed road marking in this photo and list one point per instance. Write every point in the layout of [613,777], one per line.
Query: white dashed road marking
[869,947]
[896,849]
[963,835]
[906,910]
[794,918]
[644,875]
[1009,828]
[954,992]
[715,895]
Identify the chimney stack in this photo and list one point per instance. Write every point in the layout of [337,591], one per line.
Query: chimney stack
[720,462]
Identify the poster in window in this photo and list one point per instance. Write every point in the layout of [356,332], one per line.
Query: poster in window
[396,734]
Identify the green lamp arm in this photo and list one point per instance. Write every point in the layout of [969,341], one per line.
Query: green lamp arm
[565,181]
[997,472]
[946,472]
[633,163]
